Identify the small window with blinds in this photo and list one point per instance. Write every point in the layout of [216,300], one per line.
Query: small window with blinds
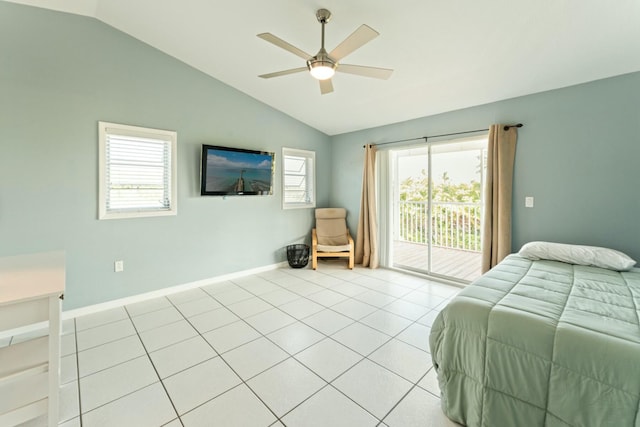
[137,171]
[298,178]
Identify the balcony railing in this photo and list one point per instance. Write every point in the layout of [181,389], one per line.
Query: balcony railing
[455,225]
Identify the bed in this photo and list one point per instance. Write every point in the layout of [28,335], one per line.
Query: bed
[539,342]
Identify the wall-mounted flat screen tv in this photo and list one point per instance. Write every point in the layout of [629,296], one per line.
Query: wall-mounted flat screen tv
[235,172]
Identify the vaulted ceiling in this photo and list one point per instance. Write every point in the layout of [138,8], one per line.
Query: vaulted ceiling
[446,55]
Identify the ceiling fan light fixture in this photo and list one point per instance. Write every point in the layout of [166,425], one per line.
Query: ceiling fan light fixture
[321,70]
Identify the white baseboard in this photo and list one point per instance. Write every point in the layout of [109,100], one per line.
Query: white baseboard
[166,291]
[95,308]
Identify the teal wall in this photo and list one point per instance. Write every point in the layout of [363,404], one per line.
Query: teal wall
[578,155]
[59,75]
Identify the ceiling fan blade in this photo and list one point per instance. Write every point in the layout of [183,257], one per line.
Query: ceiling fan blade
[360,70]
[283,73]
[326,86]
[284,45]
[357,39]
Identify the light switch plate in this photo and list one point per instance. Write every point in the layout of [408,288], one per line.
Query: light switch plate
[528,202]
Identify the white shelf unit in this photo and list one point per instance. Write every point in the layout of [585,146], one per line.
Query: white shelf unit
[31,288]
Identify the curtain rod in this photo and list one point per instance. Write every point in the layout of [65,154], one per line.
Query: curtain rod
[426,138]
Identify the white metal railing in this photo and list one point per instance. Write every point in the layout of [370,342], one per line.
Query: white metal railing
[455,225]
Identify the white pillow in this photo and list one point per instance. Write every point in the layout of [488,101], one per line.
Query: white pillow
[576,254]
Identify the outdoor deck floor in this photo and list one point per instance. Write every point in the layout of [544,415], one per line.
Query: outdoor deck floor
[463,265]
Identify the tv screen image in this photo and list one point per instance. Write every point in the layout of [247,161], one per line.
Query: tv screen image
[236,171]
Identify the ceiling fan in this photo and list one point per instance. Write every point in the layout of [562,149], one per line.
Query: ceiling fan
[323,65]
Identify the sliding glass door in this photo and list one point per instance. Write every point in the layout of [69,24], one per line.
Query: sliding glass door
[436,218]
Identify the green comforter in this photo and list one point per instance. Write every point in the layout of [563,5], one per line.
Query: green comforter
[541,343]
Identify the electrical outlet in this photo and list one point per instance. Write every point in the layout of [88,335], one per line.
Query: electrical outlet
[118,266]
[528,202]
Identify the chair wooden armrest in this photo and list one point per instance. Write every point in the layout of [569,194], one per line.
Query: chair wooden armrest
[314,249]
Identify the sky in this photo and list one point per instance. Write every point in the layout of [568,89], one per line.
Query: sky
[461,166]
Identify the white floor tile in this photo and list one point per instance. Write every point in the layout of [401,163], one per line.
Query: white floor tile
[111,354]
[440,289]
[327,297]
[418,409]
[280,296]
[373,387]
[305,288]
[148,306]
[375,298]
[328,358]
[324,280]
[354,309]
[199,384]
[186,296]
[386,322]
[68,326]
[69,409]
[328,321]
[295,337]
[285,385]
[148,407]
[71,423]
[166,335]
[407,309]
[69,405]
[220,287]
[213,319]
[68,368]
[231,336]
[252,358]
[100,318]
[417,335]
[424,299]
[103,334]
[232,296]
[178,357]
[198,306]
[249,307]
[301,308]
[207,388]
[348,289]
[329,407]
[428,319]
[361,338]
[430,382]
[110,384]
[155,319]
[67,344]
[391,289]
[403,359]
[238,407]
[260,286]
[270,320]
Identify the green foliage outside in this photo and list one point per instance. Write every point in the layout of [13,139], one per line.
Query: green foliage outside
[456,212]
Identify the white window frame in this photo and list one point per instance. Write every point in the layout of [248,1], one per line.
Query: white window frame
[309,176]
[169,137]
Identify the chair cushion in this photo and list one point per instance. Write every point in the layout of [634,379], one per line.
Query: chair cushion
[331,227]
[328,248]
[331,213]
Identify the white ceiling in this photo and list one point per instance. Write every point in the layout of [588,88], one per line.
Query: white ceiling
[446,55]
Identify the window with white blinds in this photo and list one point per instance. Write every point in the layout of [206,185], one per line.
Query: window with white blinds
[137,171]
[298,178]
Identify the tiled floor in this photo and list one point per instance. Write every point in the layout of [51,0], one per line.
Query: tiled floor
[331,347]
